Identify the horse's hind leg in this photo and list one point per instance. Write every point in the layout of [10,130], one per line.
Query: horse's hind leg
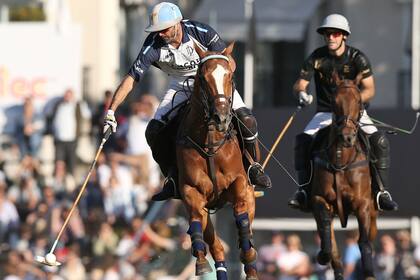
[244,214]
[335,257]
[364,220]
[216,250]
[323,219]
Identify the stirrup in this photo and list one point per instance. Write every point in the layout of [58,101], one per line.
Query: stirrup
[378,196]
[258,173]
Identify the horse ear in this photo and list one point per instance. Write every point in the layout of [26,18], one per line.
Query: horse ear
[229,49]
[336,77]
[201,53]
[228,52]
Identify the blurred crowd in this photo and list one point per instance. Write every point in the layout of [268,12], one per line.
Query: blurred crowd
[44,161]
[284,258]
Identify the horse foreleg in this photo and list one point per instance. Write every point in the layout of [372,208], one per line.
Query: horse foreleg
[195,204]
[335,257]
[322,215]
[364,220]
[373,226]
[216,250]
[244,210]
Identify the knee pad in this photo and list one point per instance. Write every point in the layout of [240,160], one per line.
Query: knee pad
[303,144]
[381,149]
[248,124]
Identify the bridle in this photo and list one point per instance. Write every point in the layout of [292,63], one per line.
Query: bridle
[337,126]
[208,101]
[346,121]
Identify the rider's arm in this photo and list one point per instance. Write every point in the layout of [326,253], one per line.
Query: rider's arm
[300,85]
[148,55]
[125,87]
[305,74]
[367,84]
[367,91]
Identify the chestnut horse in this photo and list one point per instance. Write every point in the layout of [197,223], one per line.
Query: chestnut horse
[211,170]
[342,180]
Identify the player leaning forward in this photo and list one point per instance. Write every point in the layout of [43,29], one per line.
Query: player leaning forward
[170,47]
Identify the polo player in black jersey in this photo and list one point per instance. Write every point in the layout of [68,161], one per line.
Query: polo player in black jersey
[348,62]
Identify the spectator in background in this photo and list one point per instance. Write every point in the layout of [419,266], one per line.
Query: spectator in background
[73,269]
[106,240]
[9,218]
[386,259]
[117,190]
[30,130]
[66,119]
[294,263]
[138,153]
[25,196]
[269,253]
[417,255]
[406,267]
[351,255]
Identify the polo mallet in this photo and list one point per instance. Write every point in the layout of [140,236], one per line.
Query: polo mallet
[50,259]
[273,148]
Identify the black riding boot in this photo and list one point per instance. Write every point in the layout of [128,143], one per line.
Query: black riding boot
[248,130]
[170,187]
[380,171]
[163,154]
[303,170]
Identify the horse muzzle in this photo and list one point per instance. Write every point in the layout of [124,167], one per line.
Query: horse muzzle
[348,139]
[222,121]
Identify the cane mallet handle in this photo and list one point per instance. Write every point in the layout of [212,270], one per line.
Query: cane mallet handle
[273,148]
[104,139]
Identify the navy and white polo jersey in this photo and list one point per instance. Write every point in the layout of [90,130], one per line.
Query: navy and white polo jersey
[182,61]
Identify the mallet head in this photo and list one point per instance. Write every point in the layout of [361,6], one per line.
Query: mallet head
[50,259]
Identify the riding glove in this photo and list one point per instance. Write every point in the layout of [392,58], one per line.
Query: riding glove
[110,121]
[305,99]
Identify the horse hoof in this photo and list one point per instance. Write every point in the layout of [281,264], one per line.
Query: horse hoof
[370,278]
[202,267]
[323,258]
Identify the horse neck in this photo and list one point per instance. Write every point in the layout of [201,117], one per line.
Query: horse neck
[195,124]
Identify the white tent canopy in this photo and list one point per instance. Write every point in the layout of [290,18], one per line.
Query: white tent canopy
[277,20]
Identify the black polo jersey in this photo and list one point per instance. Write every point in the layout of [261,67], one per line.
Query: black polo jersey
[321,65]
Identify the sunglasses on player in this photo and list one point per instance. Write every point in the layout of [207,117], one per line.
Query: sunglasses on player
[334,34]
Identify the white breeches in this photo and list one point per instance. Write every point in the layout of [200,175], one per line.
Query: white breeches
[177,93]
[323,119]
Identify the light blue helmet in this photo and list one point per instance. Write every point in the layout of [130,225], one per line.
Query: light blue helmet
[164,15]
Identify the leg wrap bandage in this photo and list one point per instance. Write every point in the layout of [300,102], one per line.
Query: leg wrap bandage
[196,233]
[245,236]
[221,270]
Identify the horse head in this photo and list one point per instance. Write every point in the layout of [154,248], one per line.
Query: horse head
[347,109]
[214,80]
